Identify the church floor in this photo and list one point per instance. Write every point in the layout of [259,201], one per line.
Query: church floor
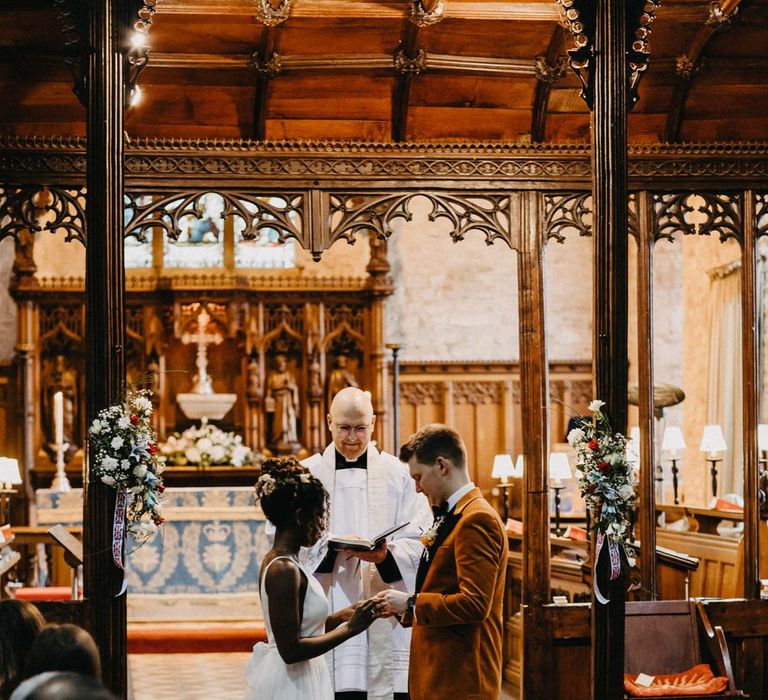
[196,677]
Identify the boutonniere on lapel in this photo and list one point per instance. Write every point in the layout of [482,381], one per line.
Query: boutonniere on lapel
[430,536]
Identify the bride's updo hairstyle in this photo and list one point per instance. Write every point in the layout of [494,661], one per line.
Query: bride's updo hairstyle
[286,487]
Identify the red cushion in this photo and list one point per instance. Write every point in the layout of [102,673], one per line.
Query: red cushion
[698,680]
[171,640]
[44,593]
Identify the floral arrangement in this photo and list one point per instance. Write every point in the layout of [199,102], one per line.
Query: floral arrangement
[605,478]
[125,456]
[206,446]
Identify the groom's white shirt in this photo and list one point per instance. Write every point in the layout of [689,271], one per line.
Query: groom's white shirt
[365,502]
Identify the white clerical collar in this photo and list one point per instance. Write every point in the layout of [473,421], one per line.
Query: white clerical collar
[454,498]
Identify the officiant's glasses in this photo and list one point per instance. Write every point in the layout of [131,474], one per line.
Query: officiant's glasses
[359,430]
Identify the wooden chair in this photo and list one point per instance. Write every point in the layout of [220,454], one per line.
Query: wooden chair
[671,636]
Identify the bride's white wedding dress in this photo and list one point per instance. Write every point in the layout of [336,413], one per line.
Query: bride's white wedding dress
[268,676]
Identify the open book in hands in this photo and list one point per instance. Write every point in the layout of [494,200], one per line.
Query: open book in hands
[360,544]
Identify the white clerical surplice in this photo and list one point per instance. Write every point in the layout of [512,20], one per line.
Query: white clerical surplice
[365,502]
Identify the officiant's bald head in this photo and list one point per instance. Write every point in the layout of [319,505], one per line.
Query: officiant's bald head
[351,420]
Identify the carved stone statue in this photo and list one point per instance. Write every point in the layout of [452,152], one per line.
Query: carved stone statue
[64,379]
[315,380]
[282,401]
[340,377]
[254,380]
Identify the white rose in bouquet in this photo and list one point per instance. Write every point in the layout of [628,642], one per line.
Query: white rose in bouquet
[204,445]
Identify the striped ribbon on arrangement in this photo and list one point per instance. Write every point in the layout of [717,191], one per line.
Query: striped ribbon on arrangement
[615,559]
[118,535]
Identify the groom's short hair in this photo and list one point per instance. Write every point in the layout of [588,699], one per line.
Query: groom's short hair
[433,441]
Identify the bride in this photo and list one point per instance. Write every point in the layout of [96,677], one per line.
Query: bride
[299,629]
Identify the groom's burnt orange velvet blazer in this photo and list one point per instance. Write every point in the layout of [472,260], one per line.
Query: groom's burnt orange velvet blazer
[456,649]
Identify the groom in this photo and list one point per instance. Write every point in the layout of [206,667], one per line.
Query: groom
[456,610]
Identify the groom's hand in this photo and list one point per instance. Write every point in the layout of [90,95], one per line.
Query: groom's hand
[395,602]
[375,556]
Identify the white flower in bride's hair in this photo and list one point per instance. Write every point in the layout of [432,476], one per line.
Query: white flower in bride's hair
[305,478]
[265,485]
[596,405]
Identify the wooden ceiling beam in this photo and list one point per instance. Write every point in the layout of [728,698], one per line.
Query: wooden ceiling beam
[688,64]
[549,69]
[265,60]
[409,60]
[444,63]
[509,10]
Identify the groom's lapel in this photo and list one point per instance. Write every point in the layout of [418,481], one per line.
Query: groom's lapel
[428,554]
[442,534]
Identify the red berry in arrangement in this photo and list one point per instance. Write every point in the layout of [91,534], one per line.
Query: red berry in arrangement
[602,466]
[161,488]
[134,419]
[593,444]
[159,520]
[152,449]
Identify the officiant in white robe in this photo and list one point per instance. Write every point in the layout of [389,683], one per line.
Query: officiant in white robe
[369,491]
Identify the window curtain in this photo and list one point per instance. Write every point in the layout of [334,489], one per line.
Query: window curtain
[724,392]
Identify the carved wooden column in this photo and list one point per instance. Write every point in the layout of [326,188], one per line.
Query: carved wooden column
[750,397]
[105,323]
[26,361]
[381,286]
[609,196]
[534,389]
[647,495]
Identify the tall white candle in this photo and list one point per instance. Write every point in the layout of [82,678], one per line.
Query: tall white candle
[58,417]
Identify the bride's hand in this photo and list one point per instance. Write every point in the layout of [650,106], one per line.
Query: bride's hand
[365,613]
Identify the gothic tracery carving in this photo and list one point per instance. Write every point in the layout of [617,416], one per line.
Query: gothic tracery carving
[487,213]
[281,213]
[567,213]
[41,208]
[761,214]
[697,213]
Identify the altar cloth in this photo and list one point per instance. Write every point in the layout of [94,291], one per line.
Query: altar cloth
[204,561]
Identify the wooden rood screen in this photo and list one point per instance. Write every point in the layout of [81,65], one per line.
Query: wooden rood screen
[525,197]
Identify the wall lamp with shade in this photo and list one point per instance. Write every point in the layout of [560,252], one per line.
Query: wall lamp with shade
[671,444]
[9,475]
[559,473]
[504,469]
[713,443]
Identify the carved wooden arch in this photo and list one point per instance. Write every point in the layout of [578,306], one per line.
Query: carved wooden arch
[761,214]
[282,328]
[487,212]
[254,208]
[697,213]
[42,208]
[188,312]
[60,330]
[339,331]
